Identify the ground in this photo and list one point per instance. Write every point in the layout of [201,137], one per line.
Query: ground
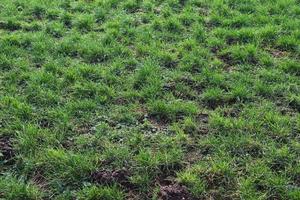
[149,99]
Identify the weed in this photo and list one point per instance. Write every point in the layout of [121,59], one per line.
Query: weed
[95,192]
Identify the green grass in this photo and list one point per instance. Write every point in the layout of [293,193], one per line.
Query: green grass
[144,99]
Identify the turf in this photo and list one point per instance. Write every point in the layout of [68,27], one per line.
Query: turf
[145,99]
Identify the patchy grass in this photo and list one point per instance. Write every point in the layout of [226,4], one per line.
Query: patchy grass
[132,99]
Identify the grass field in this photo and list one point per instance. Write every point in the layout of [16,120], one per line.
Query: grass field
[149,99]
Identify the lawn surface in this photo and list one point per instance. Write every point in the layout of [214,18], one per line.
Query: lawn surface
[145,99]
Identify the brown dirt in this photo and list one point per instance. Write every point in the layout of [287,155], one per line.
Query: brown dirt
[226,59]
[277,53]
[203,117]
[120,176]
[193,157]
[45,123]
[171,86]
[216,180]
[158,124]
[174,192]
[232,112]
[39,179]
[192,83]
[121,101]
[296,179]
[6,149]
[83,128]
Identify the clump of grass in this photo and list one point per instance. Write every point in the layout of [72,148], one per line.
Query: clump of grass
[294,102]
[262,182]
[172,110]
[95,192]
[216,176]
[66,19]
[38,11]
[288,43]
[84,23]
[291,66]
[71,168]
[241,55]
[214,97]
[196,185]
[13,188]
[55,29]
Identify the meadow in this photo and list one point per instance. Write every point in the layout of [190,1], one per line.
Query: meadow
[149,99]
